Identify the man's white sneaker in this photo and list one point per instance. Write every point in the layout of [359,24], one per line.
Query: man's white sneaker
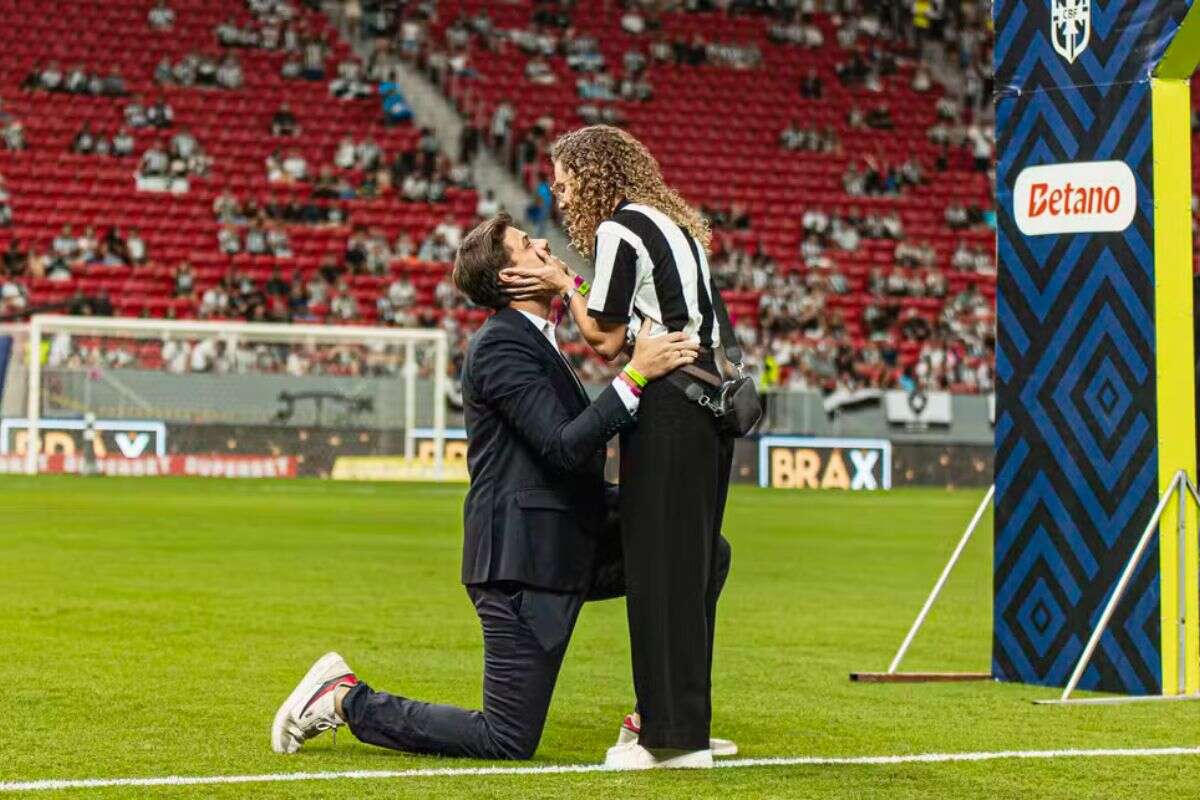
[633,756]
[309,709]
[631,728]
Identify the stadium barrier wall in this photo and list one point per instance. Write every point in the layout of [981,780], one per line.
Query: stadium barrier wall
[1096,376]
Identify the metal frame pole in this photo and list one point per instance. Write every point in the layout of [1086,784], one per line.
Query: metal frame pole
[1181,593]
[33,403]
[410,399]
[441,362]
[1123,583]
[941,581]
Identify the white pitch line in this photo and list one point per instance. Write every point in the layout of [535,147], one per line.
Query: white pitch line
[452,772]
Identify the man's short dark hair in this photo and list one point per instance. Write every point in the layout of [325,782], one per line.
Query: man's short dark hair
[480,258]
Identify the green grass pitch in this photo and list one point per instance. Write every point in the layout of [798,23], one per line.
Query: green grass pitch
[151,627]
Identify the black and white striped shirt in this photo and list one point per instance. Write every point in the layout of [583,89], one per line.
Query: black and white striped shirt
[647,267]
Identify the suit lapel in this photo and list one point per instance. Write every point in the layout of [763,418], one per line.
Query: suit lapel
[519,320]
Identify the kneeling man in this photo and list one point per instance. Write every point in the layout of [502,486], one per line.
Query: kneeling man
[538,541]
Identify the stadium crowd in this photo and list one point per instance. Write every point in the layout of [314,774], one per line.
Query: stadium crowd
[811,318]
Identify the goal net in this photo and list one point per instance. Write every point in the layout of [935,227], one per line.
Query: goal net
[154,397]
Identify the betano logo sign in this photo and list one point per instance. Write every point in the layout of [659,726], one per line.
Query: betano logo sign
[1083,197]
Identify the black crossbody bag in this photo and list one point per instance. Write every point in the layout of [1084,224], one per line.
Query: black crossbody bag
[736,405]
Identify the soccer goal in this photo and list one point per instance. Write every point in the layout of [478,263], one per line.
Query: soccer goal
[152,397]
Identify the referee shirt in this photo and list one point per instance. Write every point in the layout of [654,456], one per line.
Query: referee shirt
[650,268]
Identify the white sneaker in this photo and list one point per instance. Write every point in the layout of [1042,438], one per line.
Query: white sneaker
[631,728]
[309,709]
[633,756]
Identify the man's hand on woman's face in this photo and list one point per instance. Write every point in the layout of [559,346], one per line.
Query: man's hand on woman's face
[655,356]
[529,281]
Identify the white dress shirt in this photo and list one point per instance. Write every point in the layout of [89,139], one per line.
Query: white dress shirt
[546,328]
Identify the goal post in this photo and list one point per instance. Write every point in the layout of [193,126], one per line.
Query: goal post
[313,396]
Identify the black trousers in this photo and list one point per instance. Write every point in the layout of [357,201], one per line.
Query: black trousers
[525,636]
[674,480]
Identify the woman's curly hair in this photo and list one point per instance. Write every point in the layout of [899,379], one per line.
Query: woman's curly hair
[608,165]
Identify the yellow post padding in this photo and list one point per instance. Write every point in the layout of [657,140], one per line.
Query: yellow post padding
[1176,378]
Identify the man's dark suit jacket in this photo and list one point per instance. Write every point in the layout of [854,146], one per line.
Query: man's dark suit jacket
[535,511]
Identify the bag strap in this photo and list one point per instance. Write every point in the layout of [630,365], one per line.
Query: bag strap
[728,341]
[699,374]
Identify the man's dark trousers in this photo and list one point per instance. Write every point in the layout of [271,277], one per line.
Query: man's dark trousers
[525,636]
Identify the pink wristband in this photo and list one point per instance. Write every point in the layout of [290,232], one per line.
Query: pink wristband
[628,381]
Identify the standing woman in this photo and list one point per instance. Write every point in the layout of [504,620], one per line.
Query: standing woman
[648,247]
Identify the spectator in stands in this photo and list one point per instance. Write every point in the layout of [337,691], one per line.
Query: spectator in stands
[122,143]
[113,85]
[135,247]
[15,258]
[538,71]
[14,135]
[437,188]
[184,279]
[256,240]
[274,164]
[793,137]
[981,148]
[207,68]
[164,71]
[277,241]
[65,245]
[633,22]
[922,82]
[880,117]
[487,206]
[184,145]
[404,246]
[77,80]
[229,73]
[436,248]
[855,119]
[186,71]
[401,294]
[342,304]
[13,298]
[52,77]
[349,85]
[84,141]
[213,303]
[314,51]
[956,217]
[87,245]
[811,85]
[367,154]
[6,217]
[284,122]
[229,241]
[345,156]
[226,209]
[135,114]
[276,285]
[450,231]
[415,188]
[160,114]
[291,68]
[161,16]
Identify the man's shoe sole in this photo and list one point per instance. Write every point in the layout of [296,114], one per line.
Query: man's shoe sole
[279,727]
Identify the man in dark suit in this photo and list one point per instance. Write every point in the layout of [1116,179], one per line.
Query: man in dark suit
[537,542]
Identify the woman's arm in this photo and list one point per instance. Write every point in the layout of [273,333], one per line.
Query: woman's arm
[607,338]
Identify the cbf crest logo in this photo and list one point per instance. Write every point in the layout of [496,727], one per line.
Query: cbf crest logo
[1070,27]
